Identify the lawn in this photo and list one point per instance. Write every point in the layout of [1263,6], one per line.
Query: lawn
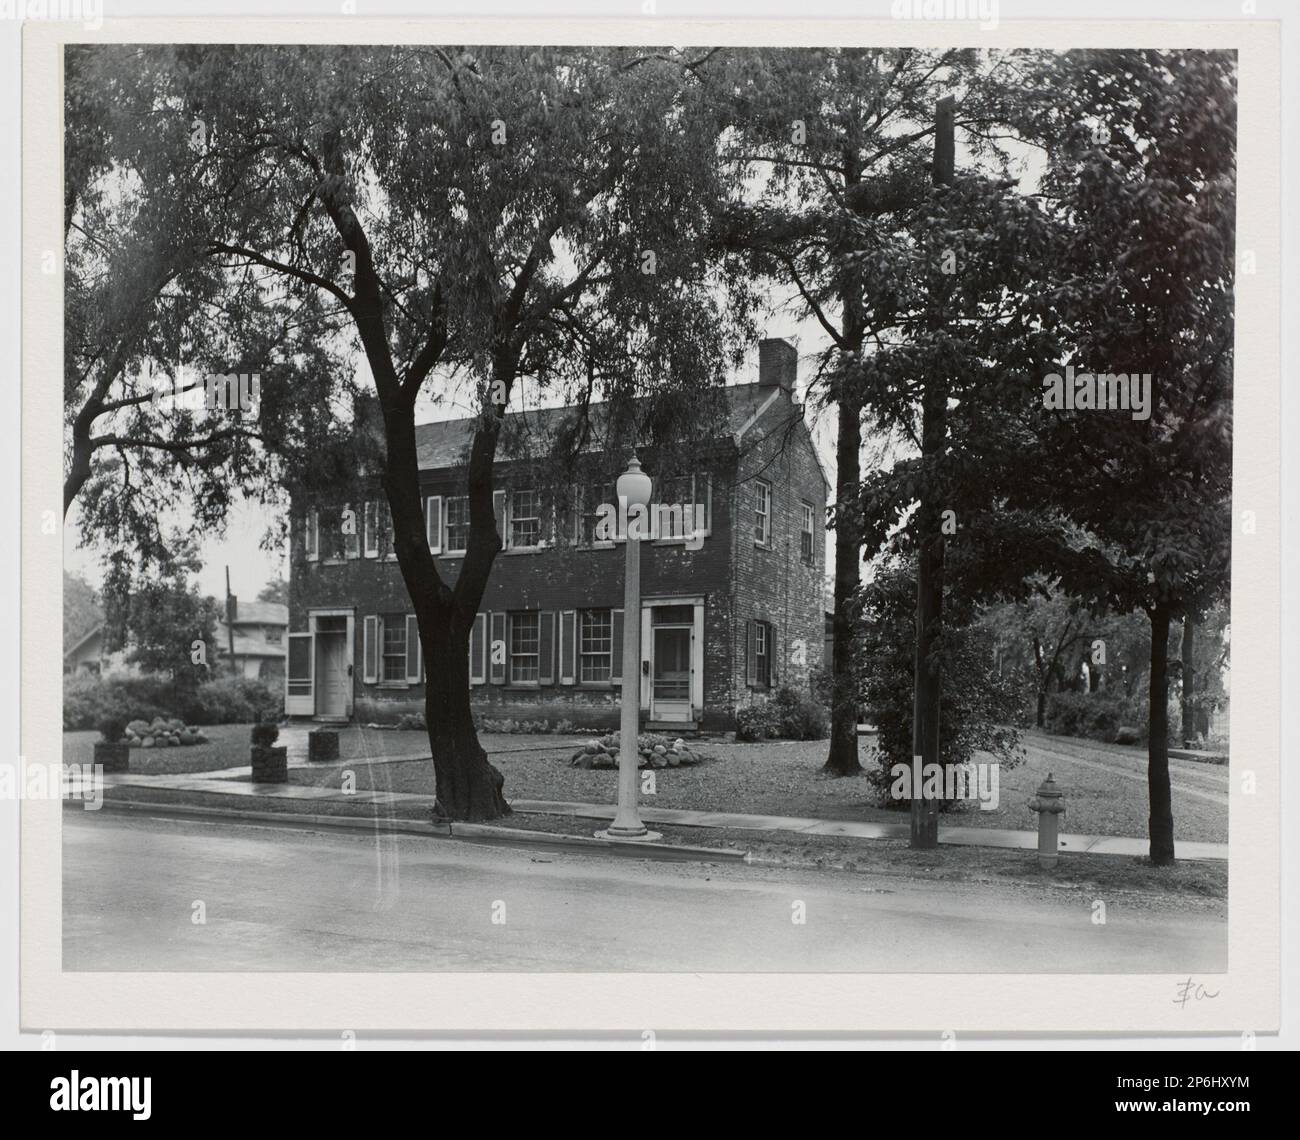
[1104,785]
[1105,791]
[228,745]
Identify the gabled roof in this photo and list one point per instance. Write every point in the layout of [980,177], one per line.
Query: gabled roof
[445,444]
[261,613]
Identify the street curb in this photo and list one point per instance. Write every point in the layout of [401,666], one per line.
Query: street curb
[465,832]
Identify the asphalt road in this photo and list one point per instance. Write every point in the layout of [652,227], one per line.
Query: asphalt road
[280,898]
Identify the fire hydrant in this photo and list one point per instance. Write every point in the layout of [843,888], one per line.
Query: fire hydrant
[1047,803]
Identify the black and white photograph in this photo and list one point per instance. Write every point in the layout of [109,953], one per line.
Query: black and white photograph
[543,505]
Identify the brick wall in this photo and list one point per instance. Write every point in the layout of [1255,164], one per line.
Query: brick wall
[773,583]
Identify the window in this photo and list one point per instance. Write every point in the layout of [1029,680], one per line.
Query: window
[595,645]
[330,534]
[525,519]
[386,546]
[393,662]
[525,651]
[807,515]
[681,497]
[457,536]
[590,499]
[273,634]
[762,512]
[762,654]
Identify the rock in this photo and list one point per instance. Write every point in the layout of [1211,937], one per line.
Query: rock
[660,750]
[584,760]
[674,761]
[592,747]
[1126,735]
[147,742]
[679,745]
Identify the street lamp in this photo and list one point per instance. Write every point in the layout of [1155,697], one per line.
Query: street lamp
[633,491]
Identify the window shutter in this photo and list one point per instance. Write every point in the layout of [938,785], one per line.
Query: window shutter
[616,649]
[498,668]
[499,510]
[351,542]
[478,650]
[370,650]
[370,529]
[546,648]
[568,645]
[751,654]
[412,650]
[312,535]
[433,522]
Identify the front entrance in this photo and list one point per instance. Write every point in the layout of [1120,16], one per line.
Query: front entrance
[332,680]
[671,653]
[318,668]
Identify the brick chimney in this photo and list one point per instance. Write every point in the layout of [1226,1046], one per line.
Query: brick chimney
[778,364]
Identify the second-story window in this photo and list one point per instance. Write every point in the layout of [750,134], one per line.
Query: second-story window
[525,519]
[456,510]
[806,531]
[762,512]
[590,498]
[525,639]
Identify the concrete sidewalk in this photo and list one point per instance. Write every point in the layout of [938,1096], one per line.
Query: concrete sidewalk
[223,784]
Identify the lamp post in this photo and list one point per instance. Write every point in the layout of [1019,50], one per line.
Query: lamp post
[633,491]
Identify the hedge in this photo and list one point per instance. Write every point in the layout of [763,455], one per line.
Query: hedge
[89,701]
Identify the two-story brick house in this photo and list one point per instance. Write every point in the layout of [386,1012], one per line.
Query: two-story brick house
[728,612]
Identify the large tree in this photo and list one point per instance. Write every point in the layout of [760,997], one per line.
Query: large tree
[481,216]
[1141,152]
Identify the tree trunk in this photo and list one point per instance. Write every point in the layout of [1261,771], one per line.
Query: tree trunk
[1161,822]
[1041,716]
[468,787]
[842,759]
[927,678]
[1189,681]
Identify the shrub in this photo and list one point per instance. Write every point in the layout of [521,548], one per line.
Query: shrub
[979,706]
[1097,716]
[758,721]
[265,735]
[112,728]
[88,701]
[786,715]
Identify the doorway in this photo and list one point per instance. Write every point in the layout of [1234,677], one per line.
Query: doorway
[670,672]
[333,670]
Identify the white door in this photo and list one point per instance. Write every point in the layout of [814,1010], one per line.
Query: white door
[670,672]
[299,697]
[332,679]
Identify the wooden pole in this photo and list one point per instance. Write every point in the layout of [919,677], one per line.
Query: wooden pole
[230,625]
[929,567]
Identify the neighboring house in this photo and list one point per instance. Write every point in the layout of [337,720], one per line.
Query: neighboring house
[259,629]
[87,657]
[720,625]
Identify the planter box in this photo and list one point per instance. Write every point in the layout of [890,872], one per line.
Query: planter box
[115,757]
[322,744]
[270,765]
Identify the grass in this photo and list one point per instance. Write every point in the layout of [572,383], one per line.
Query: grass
[1105,794]
[228,746]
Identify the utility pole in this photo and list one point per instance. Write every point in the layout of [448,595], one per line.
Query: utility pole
[929,567]
[230,622]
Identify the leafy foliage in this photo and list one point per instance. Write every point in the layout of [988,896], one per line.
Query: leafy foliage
[980,706]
